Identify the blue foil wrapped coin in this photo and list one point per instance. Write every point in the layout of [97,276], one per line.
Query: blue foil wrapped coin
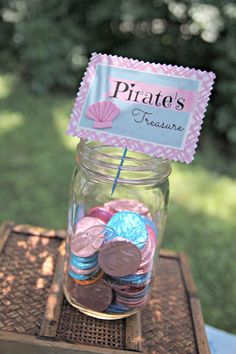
[135,279]
[81,264]
[82,276]
[85,259]
[128,225]
[117,308]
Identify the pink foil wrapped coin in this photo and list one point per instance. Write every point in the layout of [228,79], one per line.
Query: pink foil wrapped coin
[152,234]
[100,213]
[88,237]
[147,248]
[127,204]
[148,254]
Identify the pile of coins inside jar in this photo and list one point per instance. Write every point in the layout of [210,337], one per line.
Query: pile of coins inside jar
[111,256]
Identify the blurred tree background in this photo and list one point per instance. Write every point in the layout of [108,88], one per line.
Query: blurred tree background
[45,46]
[49,42]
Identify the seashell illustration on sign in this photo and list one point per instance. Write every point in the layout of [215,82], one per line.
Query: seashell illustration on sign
[102,113]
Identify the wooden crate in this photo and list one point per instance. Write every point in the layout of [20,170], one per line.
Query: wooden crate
[35,318]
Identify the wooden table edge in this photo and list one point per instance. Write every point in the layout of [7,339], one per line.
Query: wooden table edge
[11,342]
[195,306]
[5,231]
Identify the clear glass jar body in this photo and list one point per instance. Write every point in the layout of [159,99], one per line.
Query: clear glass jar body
[113,239]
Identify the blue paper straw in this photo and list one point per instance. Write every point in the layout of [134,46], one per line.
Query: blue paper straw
[119,170]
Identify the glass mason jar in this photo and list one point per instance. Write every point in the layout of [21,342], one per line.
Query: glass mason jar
[113,239]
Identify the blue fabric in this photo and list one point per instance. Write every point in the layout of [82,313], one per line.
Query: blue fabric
[220,342]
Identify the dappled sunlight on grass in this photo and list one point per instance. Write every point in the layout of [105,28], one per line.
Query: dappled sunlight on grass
[61,119]
[201,222]
[36,167]
[10,120]
[199,190]
[6,85]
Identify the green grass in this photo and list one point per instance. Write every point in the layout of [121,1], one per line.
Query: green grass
[36,163]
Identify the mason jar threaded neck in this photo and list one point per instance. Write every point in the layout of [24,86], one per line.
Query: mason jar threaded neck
[103,161]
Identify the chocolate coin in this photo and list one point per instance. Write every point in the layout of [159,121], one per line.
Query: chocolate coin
[100,213]
[148,257]
[119,258]
[132,304]
[83,271]
[76,262]
[127,204]
[97,296]
[115,284]
[128,225]
[151,227]
[88,237]
[91,280]
[117,308]
[133,292]
[82,276]
[136,280]
[133,295]
[146,249]
[146,268]
[90,259]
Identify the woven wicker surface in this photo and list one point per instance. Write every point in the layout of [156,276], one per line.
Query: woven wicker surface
[26,271]
[166,321]
[75,327]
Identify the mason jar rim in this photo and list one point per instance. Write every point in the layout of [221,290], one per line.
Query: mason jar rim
[91,157]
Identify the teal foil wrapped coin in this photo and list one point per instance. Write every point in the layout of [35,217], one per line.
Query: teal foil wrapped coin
[135,279]
[129,225]
[82,276]
[117,308]
[80,263]
[84,259]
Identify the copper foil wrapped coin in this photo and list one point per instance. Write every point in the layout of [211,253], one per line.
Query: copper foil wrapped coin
[119,258]
[97,296]
[127,204]
[88,237]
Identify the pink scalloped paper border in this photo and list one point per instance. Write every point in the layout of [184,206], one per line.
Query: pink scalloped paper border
[184,155]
